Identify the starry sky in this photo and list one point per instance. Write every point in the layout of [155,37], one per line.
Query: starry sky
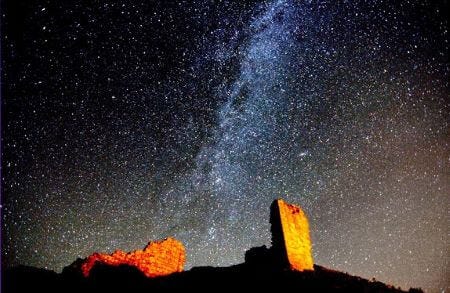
[125,122]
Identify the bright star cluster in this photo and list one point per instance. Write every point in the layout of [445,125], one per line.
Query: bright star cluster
[125,122]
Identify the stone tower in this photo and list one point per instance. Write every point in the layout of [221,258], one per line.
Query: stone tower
[290,236]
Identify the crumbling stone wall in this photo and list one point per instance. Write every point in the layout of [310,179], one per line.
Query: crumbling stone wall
[159,258]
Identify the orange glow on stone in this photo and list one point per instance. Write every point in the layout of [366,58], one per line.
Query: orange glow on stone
[159,258]
[295,229]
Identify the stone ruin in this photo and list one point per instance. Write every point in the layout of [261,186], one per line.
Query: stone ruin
[290,235]
[291,248]
[291,244]
[159,258]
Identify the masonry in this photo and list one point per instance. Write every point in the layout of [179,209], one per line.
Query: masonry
[291,249]
[290,236]
[158,258]
[291,243]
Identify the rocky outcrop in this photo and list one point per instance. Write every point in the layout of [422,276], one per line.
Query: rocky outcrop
[158,258]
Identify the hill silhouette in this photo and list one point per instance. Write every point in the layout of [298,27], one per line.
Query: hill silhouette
[124,278]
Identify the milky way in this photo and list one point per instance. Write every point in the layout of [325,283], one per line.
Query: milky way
[124,123]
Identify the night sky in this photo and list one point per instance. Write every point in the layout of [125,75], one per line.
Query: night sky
[125,122]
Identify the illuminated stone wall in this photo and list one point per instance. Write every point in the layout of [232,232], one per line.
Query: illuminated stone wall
[290,236]
[158,258]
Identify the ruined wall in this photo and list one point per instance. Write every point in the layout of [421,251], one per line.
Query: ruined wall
[158,258]
[290,236]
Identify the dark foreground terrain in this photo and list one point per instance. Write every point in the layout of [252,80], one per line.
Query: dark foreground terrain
[105,278]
